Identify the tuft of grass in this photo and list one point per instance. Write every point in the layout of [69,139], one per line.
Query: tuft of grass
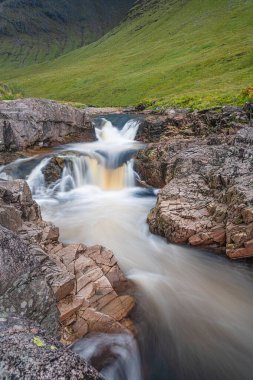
[9,93]
[168,52]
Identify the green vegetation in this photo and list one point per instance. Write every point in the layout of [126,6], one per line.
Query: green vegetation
[7,93]
[39,342]
[179,53]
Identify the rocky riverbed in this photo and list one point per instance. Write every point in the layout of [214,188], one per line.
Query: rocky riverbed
[202,162]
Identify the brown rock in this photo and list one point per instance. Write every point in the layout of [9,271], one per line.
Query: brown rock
[249,244]
[68,307]
[119,308]
[247,215]
[100,322]
[240,253]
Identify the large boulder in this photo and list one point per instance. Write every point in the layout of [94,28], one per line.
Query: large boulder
[28,122]
[27,352]
[203,163]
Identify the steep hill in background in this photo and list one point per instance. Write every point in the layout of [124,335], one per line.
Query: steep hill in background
[175,52]
[37,30]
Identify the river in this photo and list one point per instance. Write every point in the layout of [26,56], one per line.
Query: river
[195,309]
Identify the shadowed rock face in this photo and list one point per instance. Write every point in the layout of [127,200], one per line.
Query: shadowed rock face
[29,122]
[206,176]
[27,352]
[24,290]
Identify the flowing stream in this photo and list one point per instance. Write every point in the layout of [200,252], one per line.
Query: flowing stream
[195,309]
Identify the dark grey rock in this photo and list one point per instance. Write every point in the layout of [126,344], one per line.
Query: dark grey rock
[53,170]
[27,352]
[24,289]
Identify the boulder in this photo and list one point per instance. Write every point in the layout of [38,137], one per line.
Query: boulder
[28,122]
[206,179]
[53,170]
[99,301]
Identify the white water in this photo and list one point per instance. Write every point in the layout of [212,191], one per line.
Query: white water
[118,352]
[197,312]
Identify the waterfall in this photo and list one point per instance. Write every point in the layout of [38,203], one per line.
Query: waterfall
[108,133]
[106,163]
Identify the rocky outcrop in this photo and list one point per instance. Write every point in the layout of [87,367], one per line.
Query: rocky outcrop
[27,352]
[206,176]
[84,283]
[24,290]
[98,300]
[29,122]
[173,123]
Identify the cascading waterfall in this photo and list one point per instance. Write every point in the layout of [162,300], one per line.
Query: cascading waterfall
[103,164]
[36,180]
[195,316]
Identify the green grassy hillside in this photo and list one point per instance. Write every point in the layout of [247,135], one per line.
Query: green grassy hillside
[173,52]
[35,31]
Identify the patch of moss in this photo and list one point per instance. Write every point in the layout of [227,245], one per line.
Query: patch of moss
[39,342]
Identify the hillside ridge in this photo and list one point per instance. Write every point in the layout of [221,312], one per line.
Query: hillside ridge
[165,53]
[34,30]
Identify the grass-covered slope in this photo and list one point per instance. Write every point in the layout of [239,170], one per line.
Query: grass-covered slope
[38,30]
[187,53]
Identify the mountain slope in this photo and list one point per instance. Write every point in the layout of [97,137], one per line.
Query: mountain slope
[35,30]
[178,52]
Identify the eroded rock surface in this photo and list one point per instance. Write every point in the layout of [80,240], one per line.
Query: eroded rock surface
[28,122]
[97,301]
[27,352]
[85,283]
[204,165]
